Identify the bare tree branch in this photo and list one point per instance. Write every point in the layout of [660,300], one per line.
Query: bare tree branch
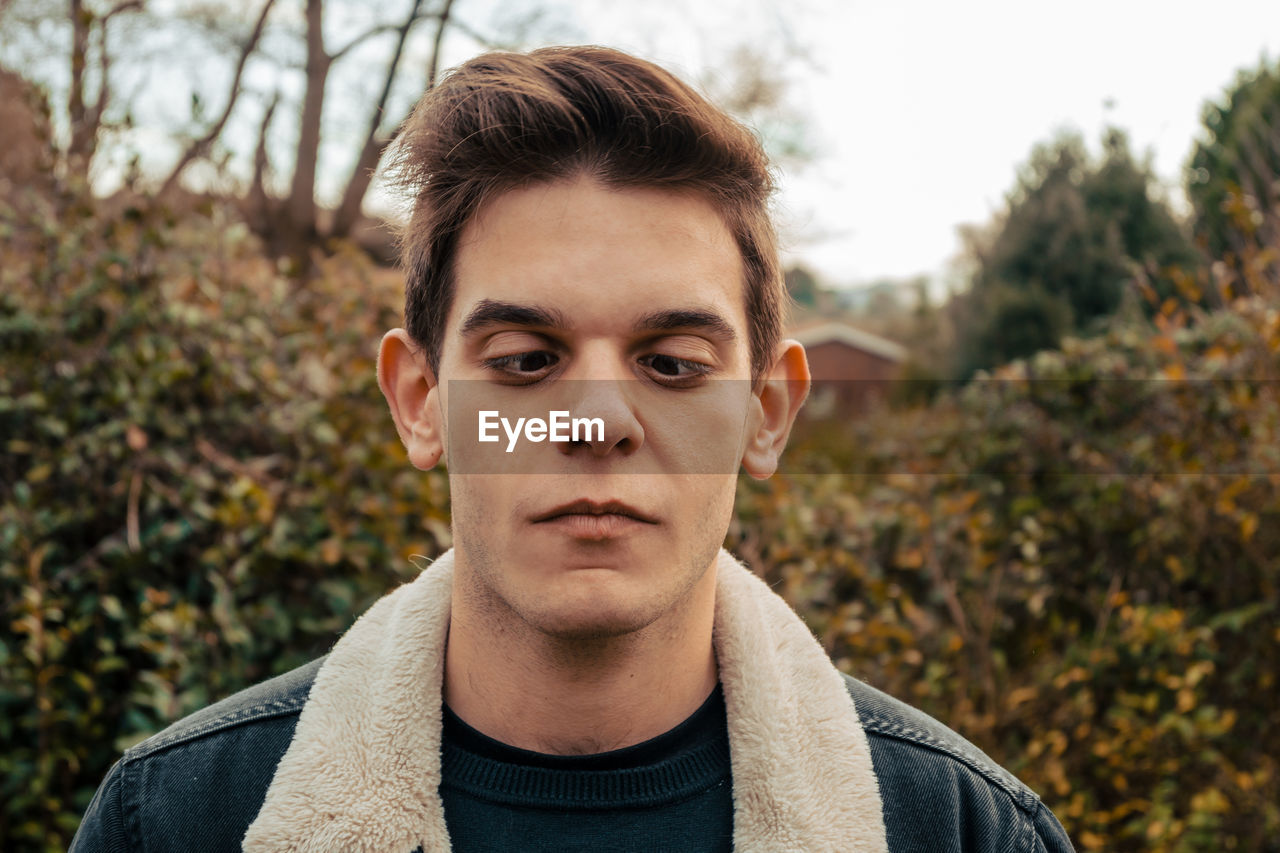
[261,163]
[86,120]
[361,39]
[104,63]
[353,196]
[126,6]
[94,118]
[302,201]
[487,42]
[416,16]
[81,22]
[433,68]
[200,146]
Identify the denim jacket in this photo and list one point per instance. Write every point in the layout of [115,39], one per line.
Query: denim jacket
[819,763]
[198,785]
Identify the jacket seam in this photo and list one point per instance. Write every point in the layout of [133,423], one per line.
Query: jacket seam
[262,711]
[1029,830]
[1024,798]
[1034,841]
[129,812]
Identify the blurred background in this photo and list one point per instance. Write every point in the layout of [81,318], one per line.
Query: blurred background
[1034,253]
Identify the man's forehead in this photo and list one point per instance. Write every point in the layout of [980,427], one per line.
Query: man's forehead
[549,254]
[584,206]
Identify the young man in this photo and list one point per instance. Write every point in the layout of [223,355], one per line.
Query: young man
[590,259]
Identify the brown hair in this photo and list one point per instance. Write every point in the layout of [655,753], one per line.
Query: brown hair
[505,120]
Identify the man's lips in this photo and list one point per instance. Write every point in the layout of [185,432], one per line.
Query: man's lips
[585,507]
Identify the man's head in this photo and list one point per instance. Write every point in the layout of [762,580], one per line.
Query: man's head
[589,235]
[505,120]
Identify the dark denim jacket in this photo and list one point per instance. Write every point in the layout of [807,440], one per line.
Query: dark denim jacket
[198,784]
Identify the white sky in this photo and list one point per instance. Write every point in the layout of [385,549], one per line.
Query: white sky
[918,112]
[922,110]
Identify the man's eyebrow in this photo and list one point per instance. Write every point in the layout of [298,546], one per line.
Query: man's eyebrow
[688,318]
[489,312]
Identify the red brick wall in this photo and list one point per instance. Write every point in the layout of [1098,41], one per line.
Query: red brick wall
[839,361]
[850,377]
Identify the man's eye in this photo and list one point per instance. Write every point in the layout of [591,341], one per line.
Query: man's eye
[667,365]
[669,368]
[522,363]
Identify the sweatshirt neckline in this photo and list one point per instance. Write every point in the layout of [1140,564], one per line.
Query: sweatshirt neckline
[683,762]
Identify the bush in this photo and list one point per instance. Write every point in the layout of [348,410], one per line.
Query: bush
[198,484]
[1072,563]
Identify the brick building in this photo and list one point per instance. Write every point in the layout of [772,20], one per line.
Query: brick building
[851,368]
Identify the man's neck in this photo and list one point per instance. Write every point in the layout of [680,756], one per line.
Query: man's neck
[563,696]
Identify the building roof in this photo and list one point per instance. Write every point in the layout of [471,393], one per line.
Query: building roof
[835,331]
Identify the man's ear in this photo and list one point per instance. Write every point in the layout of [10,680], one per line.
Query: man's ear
[413,395]
[778,396]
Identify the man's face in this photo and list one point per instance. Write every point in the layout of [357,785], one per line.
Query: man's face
[623,305]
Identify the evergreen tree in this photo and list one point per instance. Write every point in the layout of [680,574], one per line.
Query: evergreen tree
[1059,259]
[1233,176]
[803,286]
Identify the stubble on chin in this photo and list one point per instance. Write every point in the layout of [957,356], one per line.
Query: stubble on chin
[573,618]
[497,580]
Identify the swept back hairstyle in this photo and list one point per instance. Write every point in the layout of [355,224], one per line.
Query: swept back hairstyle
[507,120]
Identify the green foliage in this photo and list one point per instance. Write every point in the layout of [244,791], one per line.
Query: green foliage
[1016,322]
[1075,564]
[1060,259]
[198,487]
[1231,174]
[802,286]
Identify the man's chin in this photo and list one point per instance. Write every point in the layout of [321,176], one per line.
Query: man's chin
[589,620]
[574,593]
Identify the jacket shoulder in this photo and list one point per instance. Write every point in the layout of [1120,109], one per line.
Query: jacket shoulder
[939,791]
[199,783]
[883,715]
[281,696]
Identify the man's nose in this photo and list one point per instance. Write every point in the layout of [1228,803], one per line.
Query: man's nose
[606,407]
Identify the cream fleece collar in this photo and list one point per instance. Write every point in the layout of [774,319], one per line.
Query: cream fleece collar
[363,770]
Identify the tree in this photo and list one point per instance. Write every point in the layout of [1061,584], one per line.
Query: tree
[80,33]
[1007,322]
[802,286]
[292,225]
[1233,176]
[1061,256]
[199,146]
[293,63]
[91,32]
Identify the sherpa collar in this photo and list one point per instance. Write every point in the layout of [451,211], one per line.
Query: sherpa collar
[363,770]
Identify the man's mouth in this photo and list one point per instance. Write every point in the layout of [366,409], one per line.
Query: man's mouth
[585,508]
